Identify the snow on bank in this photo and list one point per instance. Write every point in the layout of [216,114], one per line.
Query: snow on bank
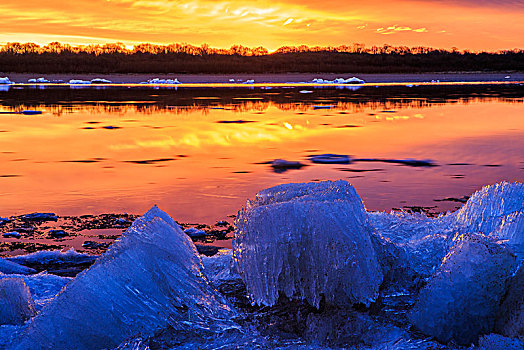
[40,80]
[89,82]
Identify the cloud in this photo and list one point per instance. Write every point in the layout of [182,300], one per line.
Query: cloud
[222,23]
[396,29]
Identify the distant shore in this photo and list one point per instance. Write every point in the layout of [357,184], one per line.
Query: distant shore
[277,78]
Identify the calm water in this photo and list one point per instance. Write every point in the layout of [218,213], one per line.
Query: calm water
[199,153]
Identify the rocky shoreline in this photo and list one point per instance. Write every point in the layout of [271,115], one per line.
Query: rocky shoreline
[92,234]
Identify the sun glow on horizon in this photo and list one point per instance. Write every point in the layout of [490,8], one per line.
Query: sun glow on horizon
[274,24]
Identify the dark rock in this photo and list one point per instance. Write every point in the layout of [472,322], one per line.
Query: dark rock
[39,217]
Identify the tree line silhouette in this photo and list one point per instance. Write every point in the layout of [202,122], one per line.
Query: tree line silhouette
[185,58]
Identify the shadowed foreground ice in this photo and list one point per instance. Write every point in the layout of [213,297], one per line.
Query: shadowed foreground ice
[150,279]
[311,269]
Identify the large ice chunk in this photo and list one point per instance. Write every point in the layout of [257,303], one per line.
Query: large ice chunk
[16,303]
[497,211]
[461,299]
[307,241]
[510,319]
[149,279]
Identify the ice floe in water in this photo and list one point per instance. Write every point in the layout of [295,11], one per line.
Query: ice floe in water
[150,279]
[329,158]
[282,165]
[308,242]
[11,234]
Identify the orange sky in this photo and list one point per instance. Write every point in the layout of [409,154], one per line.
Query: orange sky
[466,24]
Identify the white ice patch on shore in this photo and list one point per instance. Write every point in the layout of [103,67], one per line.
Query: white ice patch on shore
[79,82]
[40,80]
[352,80]
[100,81]
[161,81]
[5,80]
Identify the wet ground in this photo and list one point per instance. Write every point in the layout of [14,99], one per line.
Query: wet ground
[92,234]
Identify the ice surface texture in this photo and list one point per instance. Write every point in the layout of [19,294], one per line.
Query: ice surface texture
[43,286]
[307,241]
[409,247]
[510,320]
[498,342]
[220,267]
[16,304]
[497,211]
[461,299]
[5,80]
[151,278]
[53,256]
[9,267]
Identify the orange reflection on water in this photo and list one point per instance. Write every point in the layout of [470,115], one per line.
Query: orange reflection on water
[202,163]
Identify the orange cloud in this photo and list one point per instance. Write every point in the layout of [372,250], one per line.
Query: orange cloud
[395,29]
[271,24]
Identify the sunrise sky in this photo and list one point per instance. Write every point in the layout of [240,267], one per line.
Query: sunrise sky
[466,24]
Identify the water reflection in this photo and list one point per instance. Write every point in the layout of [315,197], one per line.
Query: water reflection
[200,153]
